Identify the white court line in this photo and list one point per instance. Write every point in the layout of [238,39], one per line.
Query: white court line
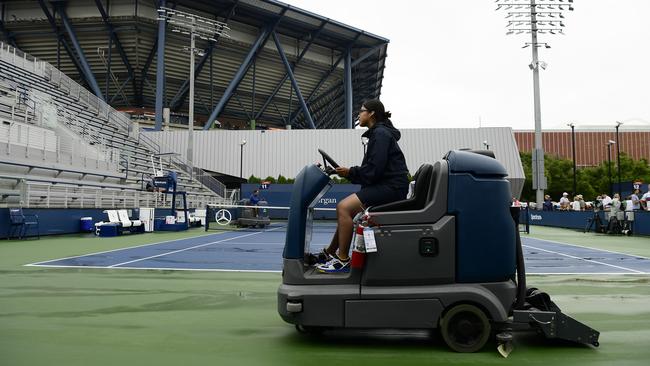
[117,250]
[194,247]
[273,271]
[271,243]
[584,259]
[162,268]
[584,247]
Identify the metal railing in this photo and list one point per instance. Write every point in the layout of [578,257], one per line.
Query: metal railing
[47,195]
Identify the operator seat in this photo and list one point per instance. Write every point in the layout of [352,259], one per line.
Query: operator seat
[421,193]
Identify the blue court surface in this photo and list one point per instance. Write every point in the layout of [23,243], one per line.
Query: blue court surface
[261,251]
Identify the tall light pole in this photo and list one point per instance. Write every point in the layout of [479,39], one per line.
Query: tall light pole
[194,26]
[618,157]
[486,145]
[573,149]
[609,165]
[241,157]
[535,18]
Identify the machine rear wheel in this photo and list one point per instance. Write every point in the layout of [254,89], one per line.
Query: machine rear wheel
[465,328]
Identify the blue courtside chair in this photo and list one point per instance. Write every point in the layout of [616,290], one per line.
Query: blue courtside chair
[20,223]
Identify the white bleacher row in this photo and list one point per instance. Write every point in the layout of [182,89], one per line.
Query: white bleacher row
[39,85]
[24,142]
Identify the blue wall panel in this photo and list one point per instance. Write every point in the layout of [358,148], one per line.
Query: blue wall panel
[280,195]
[62,220]
[579,219]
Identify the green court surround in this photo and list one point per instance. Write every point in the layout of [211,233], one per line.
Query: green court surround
[51,316]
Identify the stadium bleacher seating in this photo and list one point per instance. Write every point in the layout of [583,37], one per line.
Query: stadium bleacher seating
[64,147]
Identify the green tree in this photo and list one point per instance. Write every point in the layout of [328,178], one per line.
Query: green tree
[590,181]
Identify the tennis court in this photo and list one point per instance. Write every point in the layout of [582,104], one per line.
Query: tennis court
[261,250]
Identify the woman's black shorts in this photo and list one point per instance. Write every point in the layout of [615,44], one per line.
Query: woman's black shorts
[379,194]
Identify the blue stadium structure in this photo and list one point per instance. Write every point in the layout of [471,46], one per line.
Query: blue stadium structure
[280,65]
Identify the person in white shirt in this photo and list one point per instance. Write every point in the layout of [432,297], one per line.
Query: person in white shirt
[575,205]
[564,201]
[607,201]
[645,199]
[634,197]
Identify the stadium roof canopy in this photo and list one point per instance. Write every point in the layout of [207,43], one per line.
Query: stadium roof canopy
[74,35]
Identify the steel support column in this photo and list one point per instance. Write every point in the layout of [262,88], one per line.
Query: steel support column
[144,73]
[61,40]
[322,81]
[347,78]
[278,86]
[287,66]
[118,45]
[160,71]
[90,77]
[108,67]
[8,35]
[326,76]
[239,75]
[119,91]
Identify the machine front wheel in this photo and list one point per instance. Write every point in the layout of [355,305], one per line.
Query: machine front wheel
[465,328]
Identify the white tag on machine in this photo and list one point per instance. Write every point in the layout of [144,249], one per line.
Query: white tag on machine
[369,239]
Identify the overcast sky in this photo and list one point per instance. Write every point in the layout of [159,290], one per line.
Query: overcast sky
[450,63]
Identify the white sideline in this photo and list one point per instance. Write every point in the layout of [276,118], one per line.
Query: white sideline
[117,250]
[194,247]
[585,247]
[584,259]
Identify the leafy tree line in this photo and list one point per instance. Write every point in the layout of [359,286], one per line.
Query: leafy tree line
[284,180]
[590,181]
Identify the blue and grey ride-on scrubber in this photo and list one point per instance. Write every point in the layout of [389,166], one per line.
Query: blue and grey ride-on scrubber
[253,216]
[442,261]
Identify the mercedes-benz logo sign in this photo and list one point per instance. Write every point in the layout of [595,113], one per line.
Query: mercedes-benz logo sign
[223,217]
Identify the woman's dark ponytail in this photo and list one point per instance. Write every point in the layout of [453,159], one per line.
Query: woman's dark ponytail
[374,105]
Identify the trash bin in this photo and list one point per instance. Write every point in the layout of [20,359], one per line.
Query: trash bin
[86,224]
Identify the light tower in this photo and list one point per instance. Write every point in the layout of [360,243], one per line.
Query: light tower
[536,17]
[194,26]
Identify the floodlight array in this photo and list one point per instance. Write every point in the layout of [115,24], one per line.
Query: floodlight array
[538,17]
[187,23]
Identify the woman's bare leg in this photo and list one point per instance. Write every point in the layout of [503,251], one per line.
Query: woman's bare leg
[334,244]
[345,212]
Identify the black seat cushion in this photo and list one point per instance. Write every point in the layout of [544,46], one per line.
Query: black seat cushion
[421,193]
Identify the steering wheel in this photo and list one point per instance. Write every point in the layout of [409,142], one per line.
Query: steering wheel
[328,159]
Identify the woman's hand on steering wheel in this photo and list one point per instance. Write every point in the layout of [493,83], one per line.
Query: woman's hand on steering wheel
[343,171]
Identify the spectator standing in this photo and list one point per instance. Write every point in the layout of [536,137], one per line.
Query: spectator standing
[564,201]
[583,204]
[575,205]
[548,204]
[607,201]
[646,198]
[634,197]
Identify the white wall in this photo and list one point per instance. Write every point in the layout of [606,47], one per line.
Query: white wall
[274,152]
